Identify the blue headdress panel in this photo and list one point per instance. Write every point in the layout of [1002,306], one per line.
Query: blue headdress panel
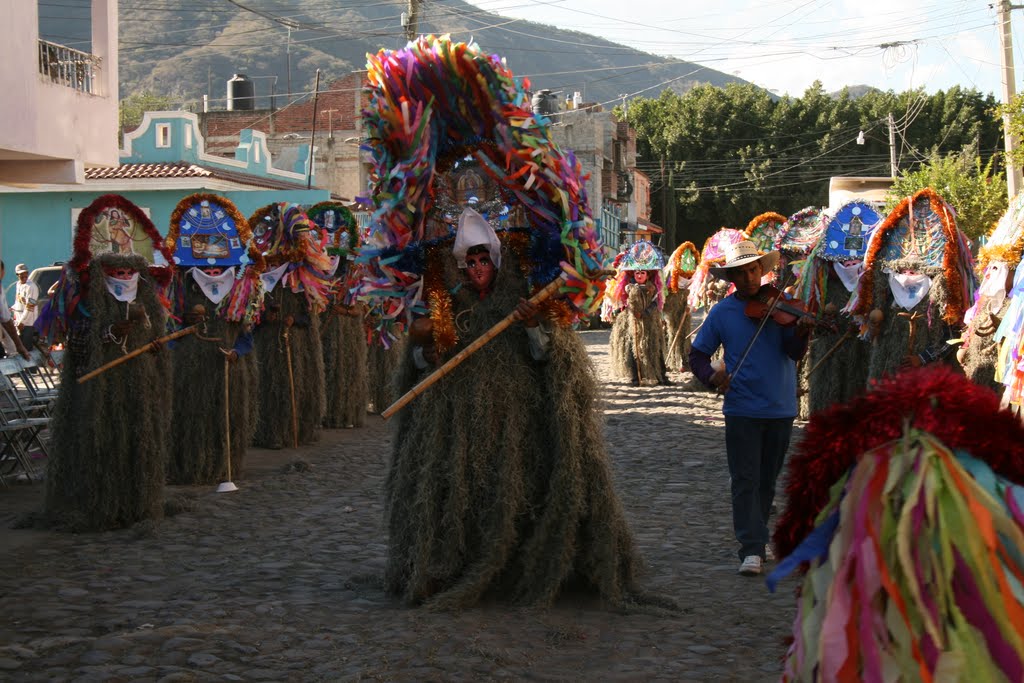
[210,232]
[848,233]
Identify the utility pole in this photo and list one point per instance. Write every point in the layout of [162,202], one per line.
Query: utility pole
[312,133]
[410,20]
[893,168]
[330,123]
[1013,174]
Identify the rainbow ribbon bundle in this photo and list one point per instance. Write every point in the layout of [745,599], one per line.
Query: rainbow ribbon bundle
[437,101]
[905,508]
[917,572]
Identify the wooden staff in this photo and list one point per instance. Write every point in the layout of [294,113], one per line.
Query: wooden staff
[139,351]
[227,413]
[912,333]
[427,382]
[835,347]
[693,332]
[291,386]
[679,328]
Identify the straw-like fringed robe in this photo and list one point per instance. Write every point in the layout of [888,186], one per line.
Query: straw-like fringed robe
[383,366]
[980,352]
[890,349]
[197,451]
[678,323]
[639,323]
[109,435]
[499,483]
[274,415]
[345,368]
[842,375]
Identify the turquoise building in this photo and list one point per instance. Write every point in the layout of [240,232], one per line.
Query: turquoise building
[163,161]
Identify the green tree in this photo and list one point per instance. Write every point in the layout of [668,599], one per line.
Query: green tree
[131,109]
[977,192]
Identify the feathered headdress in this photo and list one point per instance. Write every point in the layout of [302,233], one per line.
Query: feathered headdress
[433,103]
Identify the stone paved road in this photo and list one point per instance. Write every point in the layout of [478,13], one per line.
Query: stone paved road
[280,581]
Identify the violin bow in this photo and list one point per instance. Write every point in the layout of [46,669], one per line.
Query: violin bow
[764,321]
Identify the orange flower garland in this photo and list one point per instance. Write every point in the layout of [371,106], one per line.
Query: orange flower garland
[675,264]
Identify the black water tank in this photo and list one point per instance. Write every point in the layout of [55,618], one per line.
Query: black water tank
[544,102]
[241,93]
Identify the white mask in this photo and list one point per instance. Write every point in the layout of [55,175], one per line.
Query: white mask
[909,289]
[683,282]
[993,285]
[123,290]
[272,277]
[849,275]
[215,287]
[335,260]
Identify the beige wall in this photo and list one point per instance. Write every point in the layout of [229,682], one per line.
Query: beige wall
[49,131]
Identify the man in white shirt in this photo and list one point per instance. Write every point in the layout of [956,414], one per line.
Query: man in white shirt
[7,322]
[26,296]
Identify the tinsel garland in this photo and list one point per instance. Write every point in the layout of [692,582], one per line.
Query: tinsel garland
[915,567]
[957,264]
[763,229]
[801,232]
[436,101]
[934,399]
[675,262]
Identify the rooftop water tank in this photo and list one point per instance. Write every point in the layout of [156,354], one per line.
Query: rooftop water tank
[544,102]
[241,93]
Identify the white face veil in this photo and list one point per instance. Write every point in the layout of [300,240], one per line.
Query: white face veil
[909,289]
[123,290]
[215,287]
[475,230]
[849,275]
[272,277]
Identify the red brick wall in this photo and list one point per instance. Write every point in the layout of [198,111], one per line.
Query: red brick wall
[343,95]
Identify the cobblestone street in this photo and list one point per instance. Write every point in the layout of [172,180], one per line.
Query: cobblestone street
[281,580]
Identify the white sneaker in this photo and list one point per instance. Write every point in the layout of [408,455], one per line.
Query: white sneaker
[751,565]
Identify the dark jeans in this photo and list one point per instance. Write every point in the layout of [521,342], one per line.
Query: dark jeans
[756,449]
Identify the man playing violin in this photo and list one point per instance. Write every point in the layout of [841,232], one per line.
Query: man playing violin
[758,380]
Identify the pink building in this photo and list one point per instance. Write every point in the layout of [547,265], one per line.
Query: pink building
[59,105]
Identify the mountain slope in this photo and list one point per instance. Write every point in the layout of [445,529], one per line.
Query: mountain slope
[187,48]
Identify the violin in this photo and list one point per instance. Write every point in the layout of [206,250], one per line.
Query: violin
[785,312]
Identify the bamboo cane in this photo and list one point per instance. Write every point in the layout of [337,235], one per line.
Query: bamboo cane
[679,328]
[291,387]
[835,347]
[465,353]
[228,485]
[138,352]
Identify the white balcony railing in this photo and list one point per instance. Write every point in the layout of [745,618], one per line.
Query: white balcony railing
[69,67]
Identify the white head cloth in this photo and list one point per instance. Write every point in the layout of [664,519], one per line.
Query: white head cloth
[849,275]
[474,230]
[272,277]
[123,290]
[909,289]
[215,287]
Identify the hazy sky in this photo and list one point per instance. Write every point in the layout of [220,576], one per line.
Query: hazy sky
[784,45]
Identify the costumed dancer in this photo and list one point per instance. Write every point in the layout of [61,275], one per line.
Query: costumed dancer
[904,508]
[499,483]
[763,230]
[217,285]
[109,435]
[836,366]
[678,321]
[291,388]
[919,277]
[342,324]
[705,290]
[985,333]
[638,335]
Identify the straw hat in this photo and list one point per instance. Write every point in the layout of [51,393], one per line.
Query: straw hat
[741,254]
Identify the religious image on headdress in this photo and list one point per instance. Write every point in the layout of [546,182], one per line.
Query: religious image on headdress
[848,231]
[117,231]
[205,233]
